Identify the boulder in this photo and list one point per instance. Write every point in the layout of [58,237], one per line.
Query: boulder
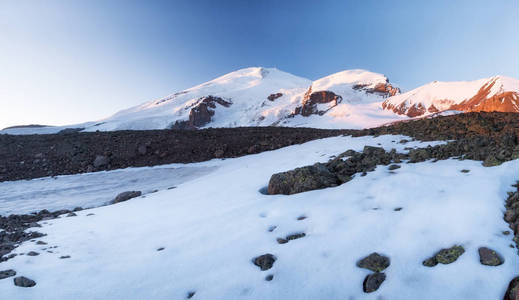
[512,292]
[24,282]
[301,180]
[124,196]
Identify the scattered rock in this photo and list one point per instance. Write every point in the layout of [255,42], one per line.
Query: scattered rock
[125,196]
[272,228]
[265,261]
[41,243]
[295,236]
[506,232]
[301,218]
[90,214]
[393,167]
[269,277]
[397,209]
[160,249]
[489,257]
[281,241]
[7,273]
[445,256]
[190,294]
[33,253]
[24,282]
[71,214]
[64,257]
[374,262]
[465,171]
[373,281]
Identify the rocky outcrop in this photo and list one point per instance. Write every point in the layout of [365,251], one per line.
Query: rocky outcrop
[273,97]
[311,100]
[201,112]
[486,100]
[382,89]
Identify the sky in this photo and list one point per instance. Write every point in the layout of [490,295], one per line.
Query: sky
[70,61]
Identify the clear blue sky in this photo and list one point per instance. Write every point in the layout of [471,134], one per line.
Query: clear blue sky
[70,61]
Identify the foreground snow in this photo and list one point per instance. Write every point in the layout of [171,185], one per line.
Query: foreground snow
[212,226]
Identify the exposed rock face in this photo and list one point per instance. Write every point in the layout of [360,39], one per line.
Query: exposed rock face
[374,262]
[201,113]
[383,89]
[273,97]
[311,101]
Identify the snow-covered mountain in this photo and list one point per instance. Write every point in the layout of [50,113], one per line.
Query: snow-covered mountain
[497,93]
[259,97]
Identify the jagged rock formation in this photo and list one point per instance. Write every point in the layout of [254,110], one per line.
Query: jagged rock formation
[201,113]
[312,100]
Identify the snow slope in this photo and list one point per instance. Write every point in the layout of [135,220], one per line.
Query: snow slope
[212,226]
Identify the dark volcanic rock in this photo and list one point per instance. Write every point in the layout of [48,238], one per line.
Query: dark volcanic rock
[302,179]
[273,97]
[512,292]
[24,282]
[489,257]
[373,282]
[33,253]
[7,273]
[265,261]
[445,256]
[269,277]
[125,196]
[201,112]
[374,262]
[58,154]
[100,161]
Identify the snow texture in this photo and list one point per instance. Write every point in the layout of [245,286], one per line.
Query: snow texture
[213,225]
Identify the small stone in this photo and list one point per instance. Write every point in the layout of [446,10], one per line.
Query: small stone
[64,257]
[430,262]
[295,236]
[33,253]
[41,243]
[397,209]
[269,277]
[265,261]
[160,249]
[7,273]
[374,262]
[301,218]
[465,171]
[373,282]
[24,282]
[281,241]
[489,257]
[190,294]
[90,214]
[506,232]
[393,167]
[71,214]
[272,228]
